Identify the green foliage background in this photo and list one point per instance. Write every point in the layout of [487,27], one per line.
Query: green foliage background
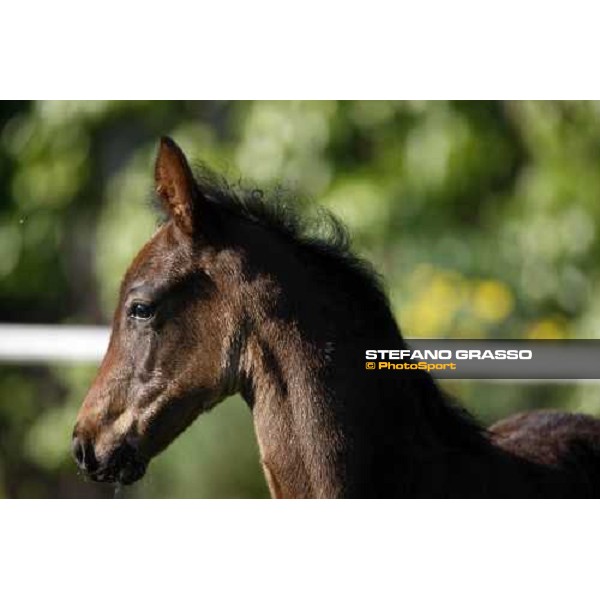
[482,216]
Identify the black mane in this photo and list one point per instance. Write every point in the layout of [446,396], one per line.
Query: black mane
[320,234]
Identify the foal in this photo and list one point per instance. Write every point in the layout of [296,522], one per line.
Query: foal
[230,295]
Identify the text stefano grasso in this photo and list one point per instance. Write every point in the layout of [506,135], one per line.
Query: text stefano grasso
[407,354]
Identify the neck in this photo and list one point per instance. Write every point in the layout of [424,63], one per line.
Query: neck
[326,427]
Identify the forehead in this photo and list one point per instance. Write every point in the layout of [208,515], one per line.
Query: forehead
[167,254]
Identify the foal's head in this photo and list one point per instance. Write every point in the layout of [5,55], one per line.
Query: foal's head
[176,336]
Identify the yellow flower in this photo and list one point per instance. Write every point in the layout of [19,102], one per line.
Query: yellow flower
[492,301]
[546,329]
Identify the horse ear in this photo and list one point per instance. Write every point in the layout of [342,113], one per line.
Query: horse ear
[175,184]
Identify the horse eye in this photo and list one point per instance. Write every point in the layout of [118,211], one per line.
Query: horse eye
[141,310]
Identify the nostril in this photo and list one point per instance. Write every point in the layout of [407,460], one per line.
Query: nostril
[84,455]
[78,452]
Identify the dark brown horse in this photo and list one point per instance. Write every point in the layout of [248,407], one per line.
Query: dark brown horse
[231,295]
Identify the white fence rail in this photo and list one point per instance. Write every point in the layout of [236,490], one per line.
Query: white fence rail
[52,343]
